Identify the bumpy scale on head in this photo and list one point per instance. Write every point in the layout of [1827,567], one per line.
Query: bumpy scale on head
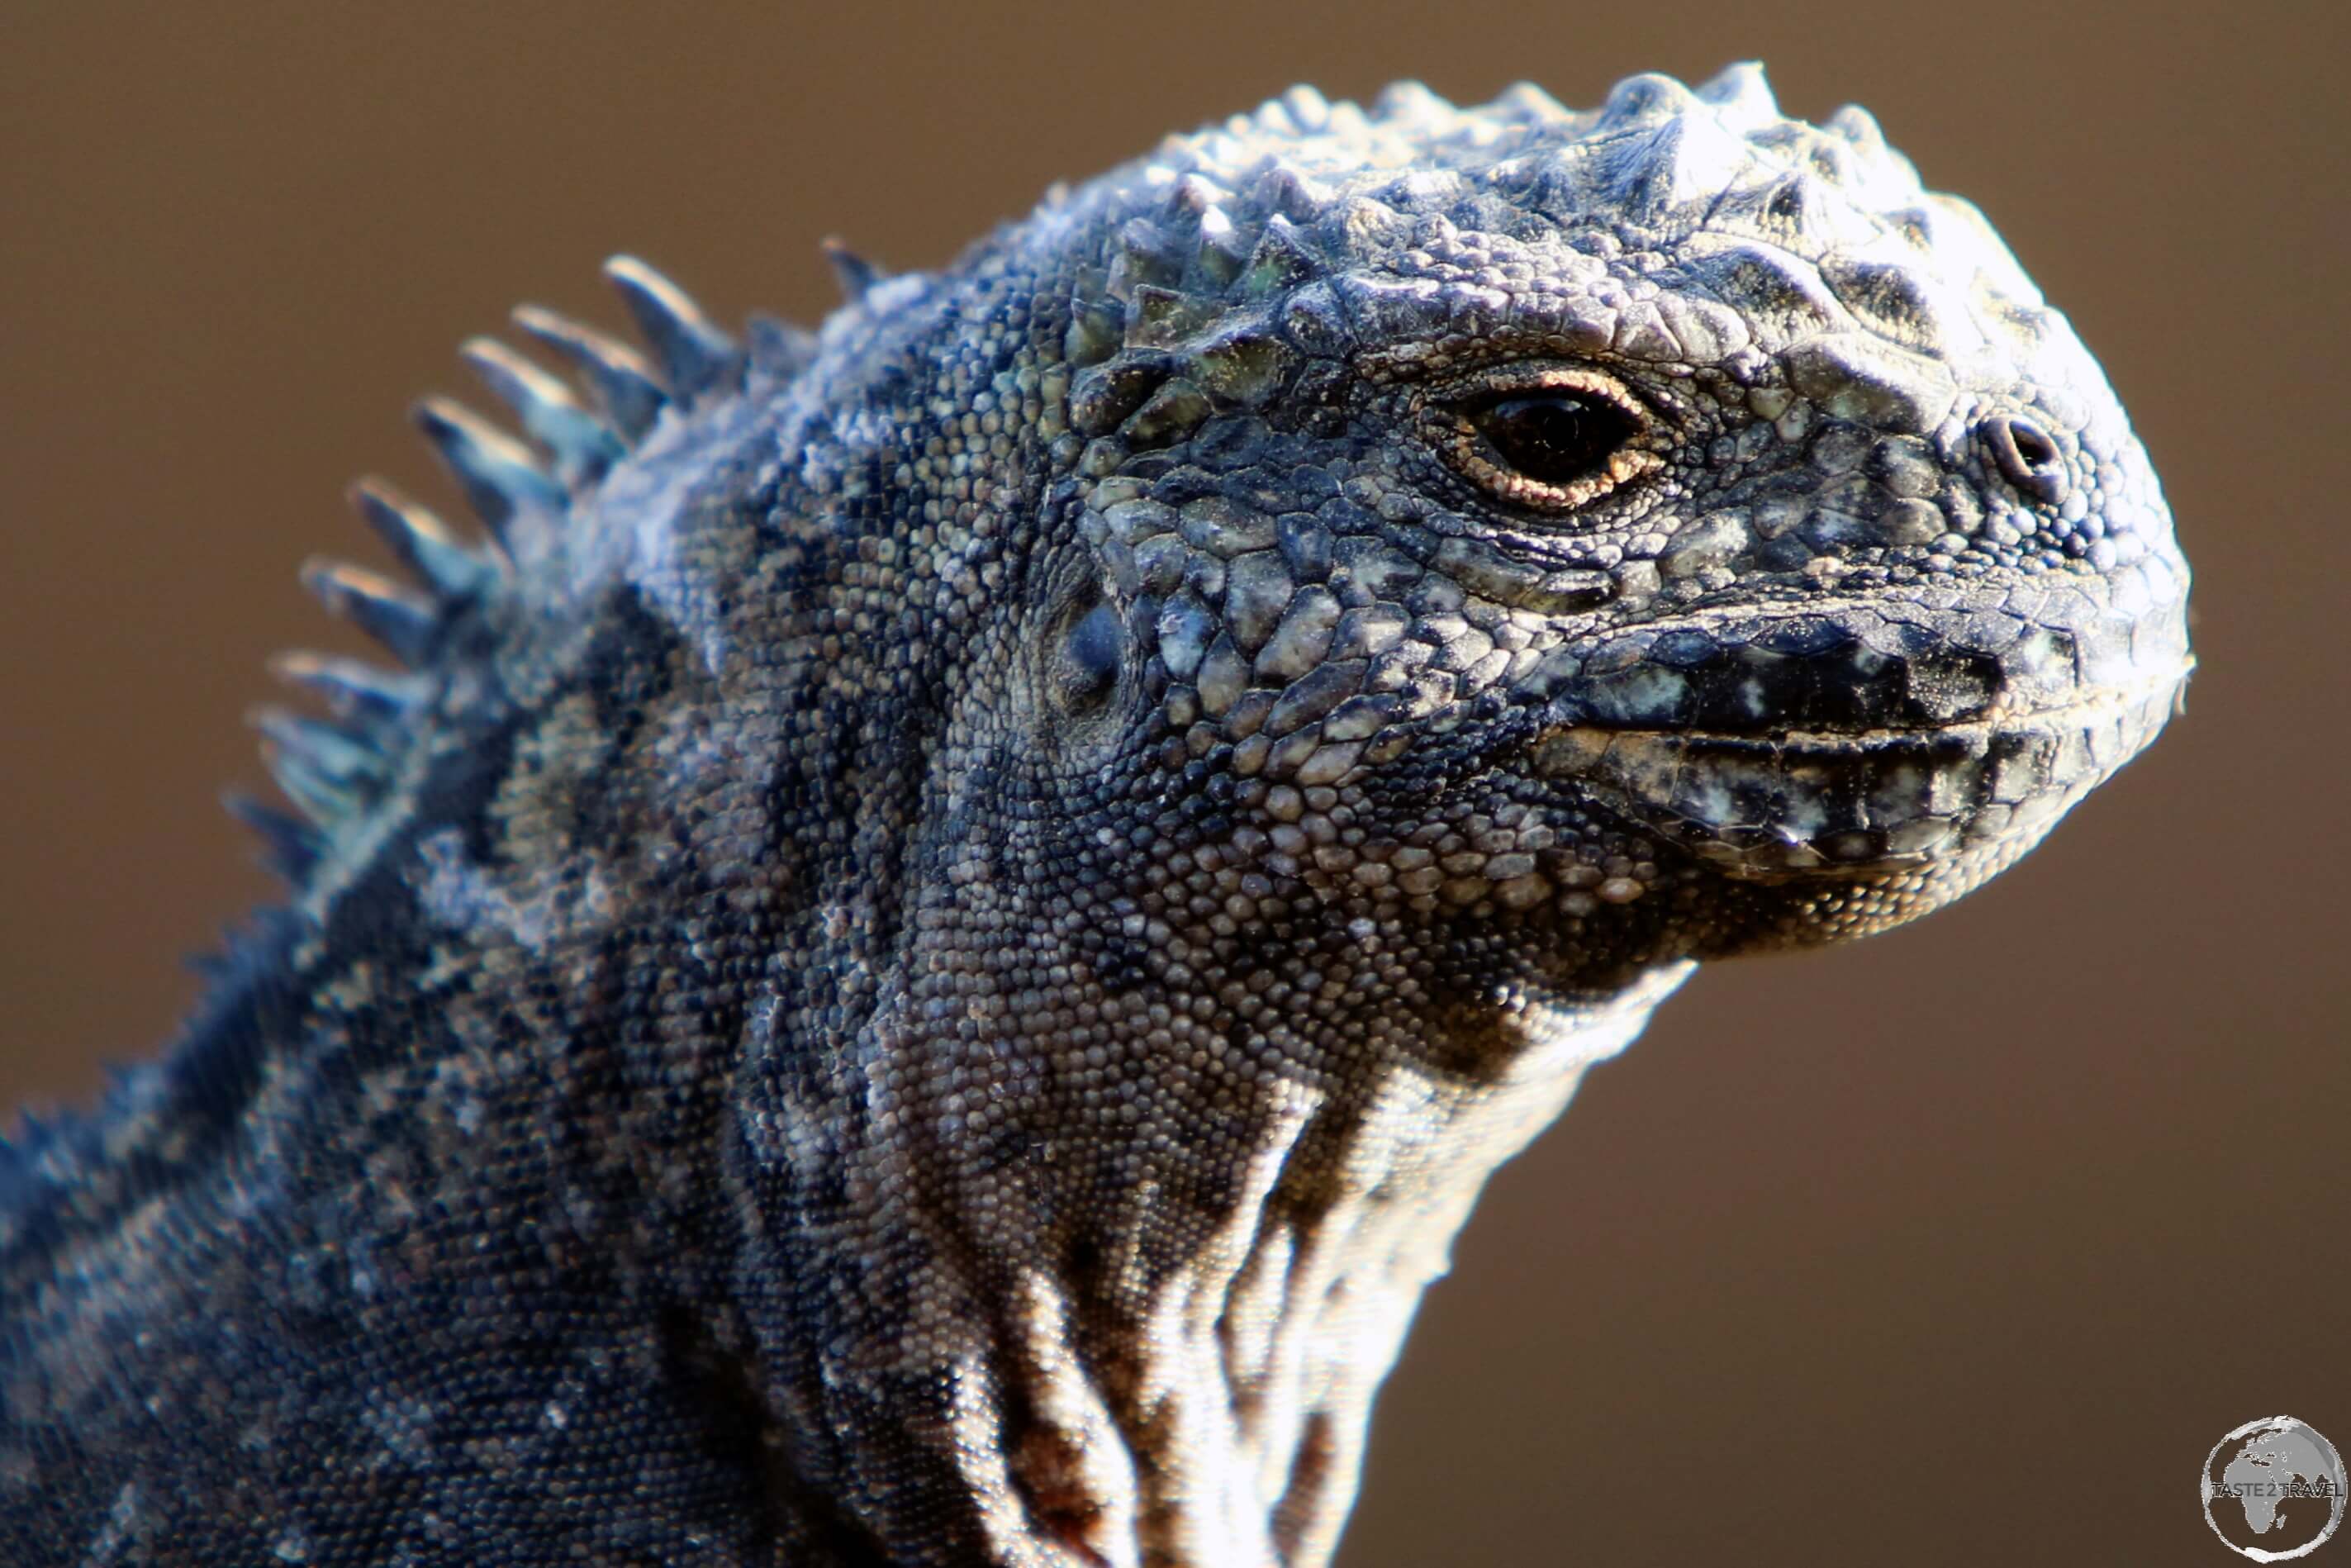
[1058,829]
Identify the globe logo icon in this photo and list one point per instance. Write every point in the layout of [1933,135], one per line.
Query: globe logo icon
[2273,1489]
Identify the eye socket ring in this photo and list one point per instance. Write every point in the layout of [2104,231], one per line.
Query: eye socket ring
[1550,438]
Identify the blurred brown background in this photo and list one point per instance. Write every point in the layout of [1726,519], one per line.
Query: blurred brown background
[1960,1246]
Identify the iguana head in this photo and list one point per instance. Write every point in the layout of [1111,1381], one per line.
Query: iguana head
[1665,528]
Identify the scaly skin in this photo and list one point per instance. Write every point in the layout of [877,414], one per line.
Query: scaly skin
[928,958]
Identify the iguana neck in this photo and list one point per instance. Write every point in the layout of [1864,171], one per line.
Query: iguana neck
[1084,1333]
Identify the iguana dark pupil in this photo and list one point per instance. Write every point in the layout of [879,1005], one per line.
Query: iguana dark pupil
[1554,438]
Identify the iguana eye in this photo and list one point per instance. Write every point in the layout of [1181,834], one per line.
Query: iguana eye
[1547,438]
[1091,653]
[1552,437]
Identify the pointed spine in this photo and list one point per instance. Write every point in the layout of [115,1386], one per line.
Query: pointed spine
[325,770]
[290,846]
[355,692]
[421,543]
[319,797]
[632,395]
[855,275]
[501,479]
[581,446]
[697,354]
[332,752]
[402,621]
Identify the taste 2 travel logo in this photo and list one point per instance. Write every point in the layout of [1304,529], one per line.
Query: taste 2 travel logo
[2273,1489]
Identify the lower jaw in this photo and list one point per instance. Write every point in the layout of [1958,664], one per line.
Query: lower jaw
[1809,805]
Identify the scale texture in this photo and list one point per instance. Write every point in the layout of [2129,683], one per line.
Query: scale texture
[944,917]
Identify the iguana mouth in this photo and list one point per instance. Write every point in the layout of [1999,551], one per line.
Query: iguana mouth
[1799,740]
[1814,801]
[1830,674]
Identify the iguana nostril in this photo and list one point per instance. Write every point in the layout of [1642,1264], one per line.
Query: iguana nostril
[2028,458]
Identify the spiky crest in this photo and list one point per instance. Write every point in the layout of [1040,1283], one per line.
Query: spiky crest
[335,769]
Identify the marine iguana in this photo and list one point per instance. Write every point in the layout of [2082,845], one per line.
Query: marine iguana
[941,924]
